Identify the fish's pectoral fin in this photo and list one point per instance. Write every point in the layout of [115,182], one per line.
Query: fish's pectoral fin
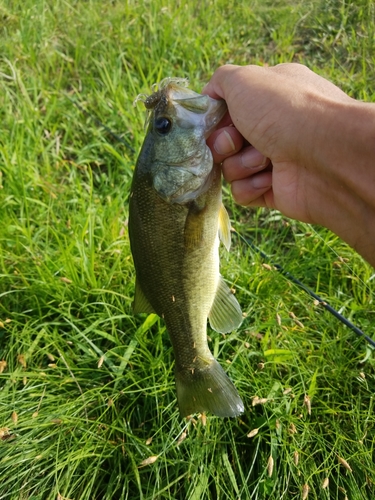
[140,303]
[194,225]
[224,227]
[225,314]
[207,388]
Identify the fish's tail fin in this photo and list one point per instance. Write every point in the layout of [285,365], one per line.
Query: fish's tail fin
[207,388]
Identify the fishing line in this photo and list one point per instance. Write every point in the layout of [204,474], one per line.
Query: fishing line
[249,243]
[299,283]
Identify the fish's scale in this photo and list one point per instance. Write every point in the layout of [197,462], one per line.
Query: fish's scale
[188,276]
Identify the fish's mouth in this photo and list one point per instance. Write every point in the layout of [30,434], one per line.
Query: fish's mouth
[181,183]
[186,197]
[200,110]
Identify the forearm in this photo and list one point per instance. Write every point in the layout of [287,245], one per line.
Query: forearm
[347,164]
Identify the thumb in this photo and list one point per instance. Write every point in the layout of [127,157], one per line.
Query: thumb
[218,86]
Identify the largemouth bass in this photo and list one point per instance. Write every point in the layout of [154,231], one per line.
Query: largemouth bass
[175,217]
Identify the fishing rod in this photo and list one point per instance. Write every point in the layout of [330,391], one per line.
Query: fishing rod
[301,285]
[251,244]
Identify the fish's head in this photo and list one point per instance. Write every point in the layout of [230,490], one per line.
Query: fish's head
[180,120]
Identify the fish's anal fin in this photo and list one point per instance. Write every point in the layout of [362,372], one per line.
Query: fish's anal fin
[207,388]
[224,227]
[140,303]
[225,314]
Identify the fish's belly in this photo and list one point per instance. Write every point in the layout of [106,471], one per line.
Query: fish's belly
[190,303]
[200,279]
[178,278]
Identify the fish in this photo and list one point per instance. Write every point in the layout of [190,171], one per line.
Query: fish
[176,218]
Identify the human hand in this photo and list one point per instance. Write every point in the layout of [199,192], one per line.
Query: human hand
[287,114]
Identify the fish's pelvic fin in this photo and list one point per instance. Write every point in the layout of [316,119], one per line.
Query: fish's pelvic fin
[140,303]
[224,227]
[225,314]
[207,388]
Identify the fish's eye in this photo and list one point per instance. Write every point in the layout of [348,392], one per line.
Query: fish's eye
[163,125]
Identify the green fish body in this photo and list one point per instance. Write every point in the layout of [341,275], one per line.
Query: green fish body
[175,217]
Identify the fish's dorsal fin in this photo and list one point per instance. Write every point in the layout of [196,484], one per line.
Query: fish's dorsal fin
[224,227]
[140,303]
[225,314]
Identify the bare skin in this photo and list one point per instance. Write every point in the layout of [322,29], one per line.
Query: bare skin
[299,145]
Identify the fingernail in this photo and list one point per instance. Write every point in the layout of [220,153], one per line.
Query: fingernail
[261,181]
[224,144]
[251,158]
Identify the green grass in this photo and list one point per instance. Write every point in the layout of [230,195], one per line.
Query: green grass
[87,394]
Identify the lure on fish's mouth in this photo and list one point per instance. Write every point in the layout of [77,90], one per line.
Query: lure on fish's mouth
[176,217]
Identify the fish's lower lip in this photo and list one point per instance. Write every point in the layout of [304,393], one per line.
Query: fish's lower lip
[185,198]
[178,163]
